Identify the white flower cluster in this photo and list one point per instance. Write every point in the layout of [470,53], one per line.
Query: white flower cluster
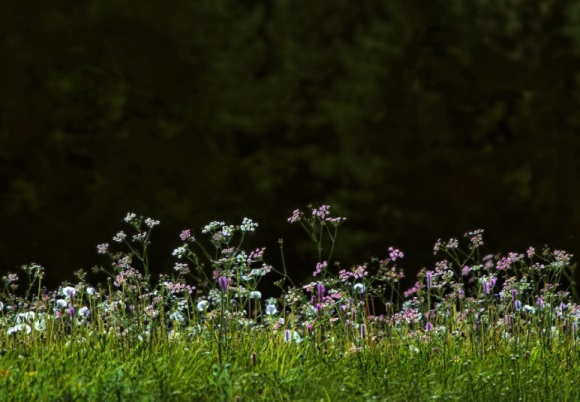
[248,225]
[119,237]
[179,252]
[130,217]
[228,231]
[212,226]
[151,223]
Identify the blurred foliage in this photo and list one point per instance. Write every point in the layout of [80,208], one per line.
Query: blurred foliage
[416,121]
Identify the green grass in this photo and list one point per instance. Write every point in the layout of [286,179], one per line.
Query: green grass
[473,329]
[263,367]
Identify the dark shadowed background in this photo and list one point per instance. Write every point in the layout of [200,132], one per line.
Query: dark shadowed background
[415,121]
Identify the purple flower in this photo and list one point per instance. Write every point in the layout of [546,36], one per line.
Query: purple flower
[295,216]
[429,277]
[319,267]
[562,256]
[540,302]
[362,331]
[475,237]
[395,254]
[320,291]
[321,212]
[486,287]
[428,326]
[223,283]
[360,272]
[186,235]
[319,308]
[489,284]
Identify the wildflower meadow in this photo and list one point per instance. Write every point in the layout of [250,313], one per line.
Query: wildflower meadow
[476,326]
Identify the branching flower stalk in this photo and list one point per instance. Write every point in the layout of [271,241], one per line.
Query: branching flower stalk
[316,225]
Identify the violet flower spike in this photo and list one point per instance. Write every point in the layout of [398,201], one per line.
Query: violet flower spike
[362,331]
[223,283]
[320,291]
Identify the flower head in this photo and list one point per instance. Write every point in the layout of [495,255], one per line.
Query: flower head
[202,305]
[395,254]
[130,217]
[84,312]
[295,216]
[69,291]
[186,235]
[151,223]
[223,283]
[256,295]
[359,288]
[248,225]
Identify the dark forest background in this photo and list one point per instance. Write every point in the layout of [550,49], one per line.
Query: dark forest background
[415,120]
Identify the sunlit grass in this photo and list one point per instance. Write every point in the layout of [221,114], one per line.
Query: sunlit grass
[472,328]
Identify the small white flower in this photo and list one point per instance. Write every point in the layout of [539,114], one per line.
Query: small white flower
[130,216]
[227,231]
[90,291]
[17,328]
[359,288]
[248,225]
[40,325]
[85,312]
[212,226]
[176,316]
[241,257]
[202,305]
[69,291]
[119,237]
[292,336]
[151,223]
[139,237]
[179,252]
[102,248]
[255,295]
[25,317]
[271,309]
[311,310]
[529,309]
[61,303]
